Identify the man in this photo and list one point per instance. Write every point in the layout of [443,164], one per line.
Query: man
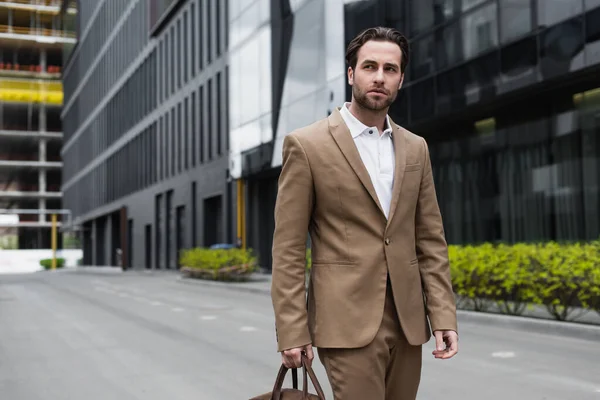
[362,186]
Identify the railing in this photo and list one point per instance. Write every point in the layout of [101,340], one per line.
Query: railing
[51,6]
[50,69]
[24,91]
[37,31]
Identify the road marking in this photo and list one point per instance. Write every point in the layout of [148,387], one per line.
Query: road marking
[156,303]
[208,317]
[123,295]
[247,329]
[177,309]
[503,354]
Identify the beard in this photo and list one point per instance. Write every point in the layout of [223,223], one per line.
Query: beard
[369,103]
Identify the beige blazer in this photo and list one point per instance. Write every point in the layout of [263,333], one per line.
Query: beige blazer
[325,189]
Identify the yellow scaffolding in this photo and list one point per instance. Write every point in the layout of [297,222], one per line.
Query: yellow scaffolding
[31,91]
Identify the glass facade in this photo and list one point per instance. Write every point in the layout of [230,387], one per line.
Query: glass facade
[505,92]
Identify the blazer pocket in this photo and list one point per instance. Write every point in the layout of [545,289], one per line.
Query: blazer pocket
[412,167]
[326,264]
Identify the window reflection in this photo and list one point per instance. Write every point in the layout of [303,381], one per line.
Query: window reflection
[518,63]
[555,11]
[447,46]
[515,19]
[422,100]
[422,57]
[425,14]
[559,47]
[589,4]
[480,30]
[592,36]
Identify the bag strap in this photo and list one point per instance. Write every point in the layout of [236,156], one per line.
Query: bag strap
[276,394]
[307,369]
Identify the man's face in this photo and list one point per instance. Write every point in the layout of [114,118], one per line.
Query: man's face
[376,79]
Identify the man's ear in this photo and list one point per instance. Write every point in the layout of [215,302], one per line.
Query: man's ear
[350,76]
[401,82]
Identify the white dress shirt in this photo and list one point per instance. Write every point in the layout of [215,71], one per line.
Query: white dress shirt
[377,153]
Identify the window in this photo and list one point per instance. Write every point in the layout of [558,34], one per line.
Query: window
[515,19]
[193,128]
[422,59]
[480,31]
[551,12]
[186,34]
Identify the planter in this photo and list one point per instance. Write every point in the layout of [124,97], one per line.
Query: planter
[235,273]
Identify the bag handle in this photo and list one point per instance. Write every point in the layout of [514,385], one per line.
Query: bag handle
[307,371]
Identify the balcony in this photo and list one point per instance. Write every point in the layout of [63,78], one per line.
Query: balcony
[15,194]
[40,22]
[30,71]
[30,164]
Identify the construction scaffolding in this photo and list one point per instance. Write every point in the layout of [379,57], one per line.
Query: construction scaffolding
[34,36]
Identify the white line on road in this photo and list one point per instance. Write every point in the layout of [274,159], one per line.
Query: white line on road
[156,303]
[503,354]
[177,309]
[208,317]
[247,329]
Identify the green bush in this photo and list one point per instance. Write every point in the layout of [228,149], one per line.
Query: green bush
[560,277]
[218,264]
[557,276]
[47,263]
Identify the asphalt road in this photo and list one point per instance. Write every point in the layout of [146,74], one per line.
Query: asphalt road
[69,335]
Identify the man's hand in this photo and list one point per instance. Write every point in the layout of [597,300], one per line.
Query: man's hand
[446,344]
[292,358]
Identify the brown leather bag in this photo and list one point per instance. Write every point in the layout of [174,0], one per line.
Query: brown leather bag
[294,394]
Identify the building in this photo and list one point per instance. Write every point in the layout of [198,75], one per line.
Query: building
[505,92]
[34,37]
[145,121]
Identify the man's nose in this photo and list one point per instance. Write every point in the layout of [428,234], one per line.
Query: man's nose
[379,76]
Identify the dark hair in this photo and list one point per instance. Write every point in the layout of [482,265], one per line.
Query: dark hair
[379,33]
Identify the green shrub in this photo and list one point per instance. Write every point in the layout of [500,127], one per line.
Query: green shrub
[218,264]
[47,263]
[557,276]
[560,277]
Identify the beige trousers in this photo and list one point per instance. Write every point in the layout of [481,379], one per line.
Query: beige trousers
[388,368]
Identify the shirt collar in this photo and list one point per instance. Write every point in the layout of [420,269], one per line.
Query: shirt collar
[356,127]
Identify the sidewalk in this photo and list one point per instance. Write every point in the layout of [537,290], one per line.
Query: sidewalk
[536,320]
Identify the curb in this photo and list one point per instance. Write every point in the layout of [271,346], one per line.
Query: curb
[225,285]
[95,270]
[524,323]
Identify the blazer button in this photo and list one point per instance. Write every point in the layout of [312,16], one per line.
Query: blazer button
[387,241]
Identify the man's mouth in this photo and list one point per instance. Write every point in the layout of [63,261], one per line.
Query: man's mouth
[378,91]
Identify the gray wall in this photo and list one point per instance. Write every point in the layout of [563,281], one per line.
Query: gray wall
[146,113]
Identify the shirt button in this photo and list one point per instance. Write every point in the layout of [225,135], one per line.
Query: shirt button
[370,132]
[387,241]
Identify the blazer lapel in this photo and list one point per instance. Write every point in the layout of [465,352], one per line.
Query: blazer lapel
[400,153]
[344,140]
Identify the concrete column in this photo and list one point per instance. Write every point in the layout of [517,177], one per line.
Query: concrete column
[42,157]
[43,60]
[94,236]
[108,240]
